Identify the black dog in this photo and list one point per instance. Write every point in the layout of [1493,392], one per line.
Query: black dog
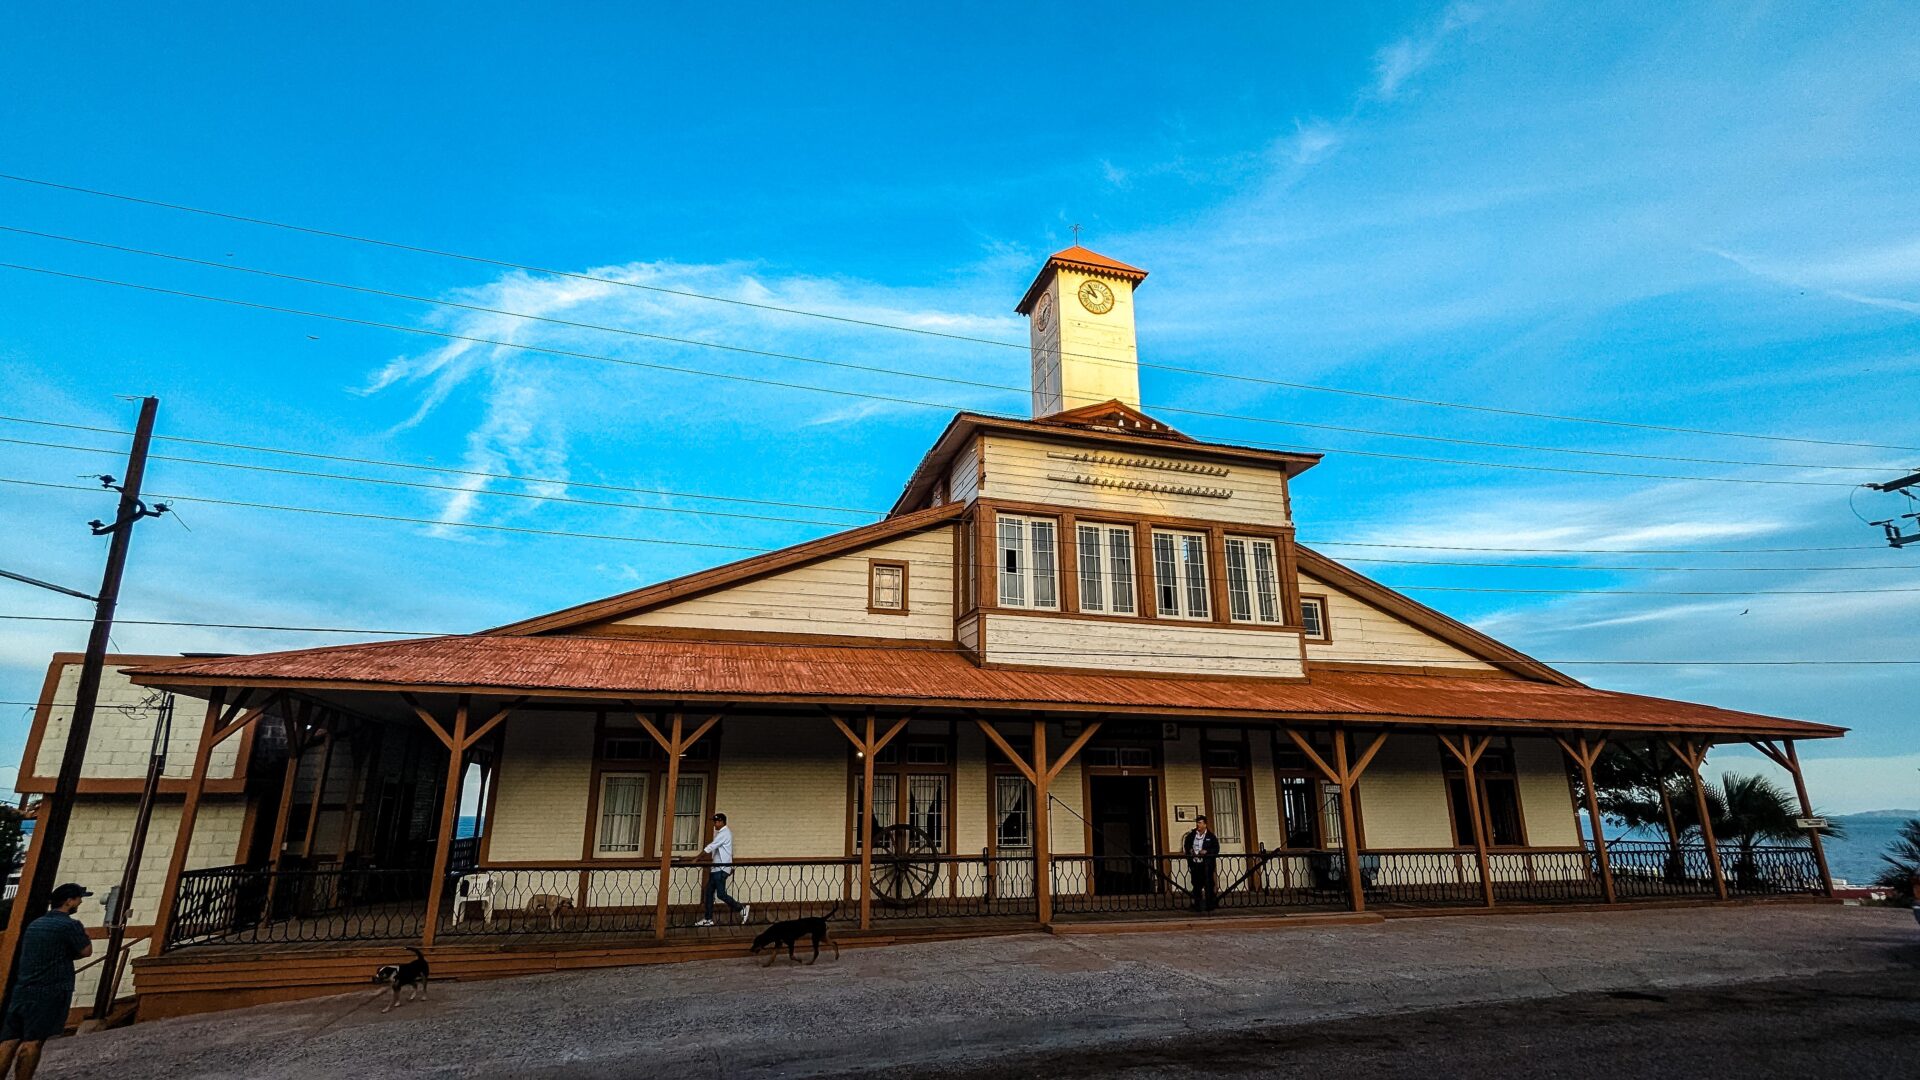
[412,975]
[789,933]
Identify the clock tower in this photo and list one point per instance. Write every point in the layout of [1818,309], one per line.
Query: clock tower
[1080,318]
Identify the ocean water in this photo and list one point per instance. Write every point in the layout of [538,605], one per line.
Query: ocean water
[1856,856]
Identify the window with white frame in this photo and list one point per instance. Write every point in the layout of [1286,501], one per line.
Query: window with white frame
[1253,580]
[689,814]
[1223,794]
[1012,812]
[1180,575]
[1313,617]
[1106,569]
[1028,566]
[887,587]
[623,814]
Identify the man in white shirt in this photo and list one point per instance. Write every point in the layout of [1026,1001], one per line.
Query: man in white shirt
[719,855]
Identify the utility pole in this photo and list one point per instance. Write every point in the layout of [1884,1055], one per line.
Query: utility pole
[122,900]
[1904,485]
[51,834]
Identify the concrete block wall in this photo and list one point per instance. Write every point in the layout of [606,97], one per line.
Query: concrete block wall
[1546,793]
[98,838]
[1403,797]
[546,769]
[122,736]
[784,785]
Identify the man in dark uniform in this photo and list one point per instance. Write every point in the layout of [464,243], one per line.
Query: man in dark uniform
[43,982]
[1200,847]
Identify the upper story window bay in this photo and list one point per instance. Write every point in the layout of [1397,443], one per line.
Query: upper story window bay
[1028,561]
[1180,575]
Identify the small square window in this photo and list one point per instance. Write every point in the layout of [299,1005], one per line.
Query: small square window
[1313,617]
[887,588]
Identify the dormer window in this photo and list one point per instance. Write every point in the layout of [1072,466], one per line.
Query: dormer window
[1027,560]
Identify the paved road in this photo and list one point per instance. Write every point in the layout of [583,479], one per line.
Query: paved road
[1033,1004]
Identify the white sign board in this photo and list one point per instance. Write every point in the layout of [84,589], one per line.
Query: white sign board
[1810,823]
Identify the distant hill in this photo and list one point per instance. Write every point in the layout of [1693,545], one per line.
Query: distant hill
[1876,814]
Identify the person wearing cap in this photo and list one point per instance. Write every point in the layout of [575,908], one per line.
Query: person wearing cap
[43,982]
[1201,847]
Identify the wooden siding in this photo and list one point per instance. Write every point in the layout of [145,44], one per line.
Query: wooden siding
[968,632]
[1364,634]
[1158,647]
[830,597]
[963,483]
[1019,470]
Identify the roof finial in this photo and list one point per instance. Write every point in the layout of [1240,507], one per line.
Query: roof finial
[1076,233]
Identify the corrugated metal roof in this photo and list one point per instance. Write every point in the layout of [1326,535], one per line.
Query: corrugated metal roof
[617,667]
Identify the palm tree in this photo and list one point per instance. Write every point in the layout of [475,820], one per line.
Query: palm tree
[1744,811]
[1903,862]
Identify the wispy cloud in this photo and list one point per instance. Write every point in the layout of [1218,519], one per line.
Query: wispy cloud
[520,407]
[1840,277]
[1399,61]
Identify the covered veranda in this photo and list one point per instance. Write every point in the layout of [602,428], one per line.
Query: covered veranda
[454,694]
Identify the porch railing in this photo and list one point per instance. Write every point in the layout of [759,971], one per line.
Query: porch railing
[1253,881]
[253,905]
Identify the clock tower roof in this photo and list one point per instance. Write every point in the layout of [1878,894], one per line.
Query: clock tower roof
[1078,258]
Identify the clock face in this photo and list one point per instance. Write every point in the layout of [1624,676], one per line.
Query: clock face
[1096,297]
[1043,313]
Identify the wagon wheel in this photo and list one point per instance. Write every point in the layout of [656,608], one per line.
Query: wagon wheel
[905,866]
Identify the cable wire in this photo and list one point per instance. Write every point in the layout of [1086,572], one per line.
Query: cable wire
[974,383]
[891,399]
[872,324]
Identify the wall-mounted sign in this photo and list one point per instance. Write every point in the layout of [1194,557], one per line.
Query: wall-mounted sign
[1185,812]
[1809,823]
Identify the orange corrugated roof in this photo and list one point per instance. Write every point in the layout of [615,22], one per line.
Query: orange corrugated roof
[621,667]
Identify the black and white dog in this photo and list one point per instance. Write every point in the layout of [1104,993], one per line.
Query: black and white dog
[789,932]
[412,975]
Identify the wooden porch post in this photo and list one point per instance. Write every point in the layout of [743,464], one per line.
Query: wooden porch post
[868,747]
[1585,753]
[319,798]
[1788,758]
[1468,752]
[449,819]
[1693,754]
[669,801]
[1042,831]
[674,745]
[1806,810]
[17,919]
[299,731]
[219,724]
[1345,773]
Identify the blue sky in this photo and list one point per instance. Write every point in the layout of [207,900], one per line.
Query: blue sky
[1698,218]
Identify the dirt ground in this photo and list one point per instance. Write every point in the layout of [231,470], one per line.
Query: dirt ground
[1810,990]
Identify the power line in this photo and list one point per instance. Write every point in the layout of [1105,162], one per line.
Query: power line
[449,470]
[810,521]
[974,383]
[759,550]
[436,487]
[892,399]
[948,335]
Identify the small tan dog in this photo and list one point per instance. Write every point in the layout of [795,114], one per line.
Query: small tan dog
[552,905]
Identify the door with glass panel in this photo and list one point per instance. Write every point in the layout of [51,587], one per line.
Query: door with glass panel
[1013,826]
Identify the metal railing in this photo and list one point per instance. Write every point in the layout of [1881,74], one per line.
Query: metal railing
[1440,878]
[1252,881]
[249,905]
[1770,870]
[1654,868]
